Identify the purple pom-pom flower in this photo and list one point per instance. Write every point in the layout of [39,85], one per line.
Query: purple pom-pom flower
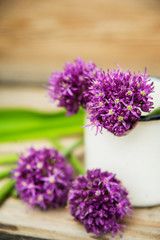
[70,87]
[43,178]
[118,99]
[99,202]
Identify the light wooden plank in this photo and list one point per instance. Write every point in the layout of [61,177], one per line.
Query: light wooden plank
[26,97]
[59,224]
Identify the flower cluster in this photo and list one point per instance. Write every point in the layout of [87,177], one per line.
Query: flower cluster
[70,87]
[117,99]
[43,178]
[99,201]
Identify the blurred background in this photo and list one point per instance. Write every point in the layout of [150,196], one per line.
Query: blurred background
[38,37]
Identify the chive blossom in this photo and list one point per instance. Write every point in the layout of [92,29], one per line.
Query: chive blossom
[122,91]
[99,202]
[70,87]
[40,184]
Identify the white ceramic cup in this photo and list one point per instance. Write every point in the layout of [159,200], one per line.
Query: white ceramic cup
[134,158]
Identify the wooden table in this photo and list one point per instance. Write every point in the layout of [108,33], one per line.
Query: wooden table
[16,222]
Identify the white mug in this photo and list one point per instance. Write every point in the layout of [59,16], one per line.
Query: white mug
[134,158]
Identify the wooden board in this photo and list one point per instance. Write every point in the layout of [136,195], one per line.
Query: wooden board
[38,36]
[16,222]
[26,97]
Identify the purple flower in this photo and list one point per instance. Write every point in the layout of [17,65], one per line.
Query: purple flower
[117,99]
[99,202]
[43,178]
[70,87]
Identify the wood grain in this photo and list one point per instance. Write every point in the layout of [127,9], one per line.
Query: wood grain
[38,36]
[15,219]
[26,97]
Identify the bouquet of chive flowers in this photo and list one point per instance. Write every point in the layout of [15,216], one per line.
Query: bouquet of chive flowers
[115,100]
[120,110]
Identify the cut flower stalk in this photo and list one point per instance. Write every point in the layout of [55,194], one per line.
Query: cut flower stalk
[156,111]
[68,154]
[14,193]
[6,172]
[73,160]
[28,124]
[153,115]
[76,165]
[8,158]
[44,133]
[6,189]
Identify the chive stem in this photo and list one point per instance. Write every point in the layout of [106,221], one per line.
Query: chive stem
[73,160]
[8,158]
[56,143]
[6,172]
[6,189]
[76,165]
[67,153]
[14,193]
[155,111]
[153,115]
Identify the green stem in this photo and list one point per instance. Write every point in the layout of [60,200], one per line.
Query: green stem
[21,124]
[44,133]
[6,172]
[73,160]
[76,165]
[67,152]
[6,189]
[55,142]
[8,158]
[156,111]
[14,193]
